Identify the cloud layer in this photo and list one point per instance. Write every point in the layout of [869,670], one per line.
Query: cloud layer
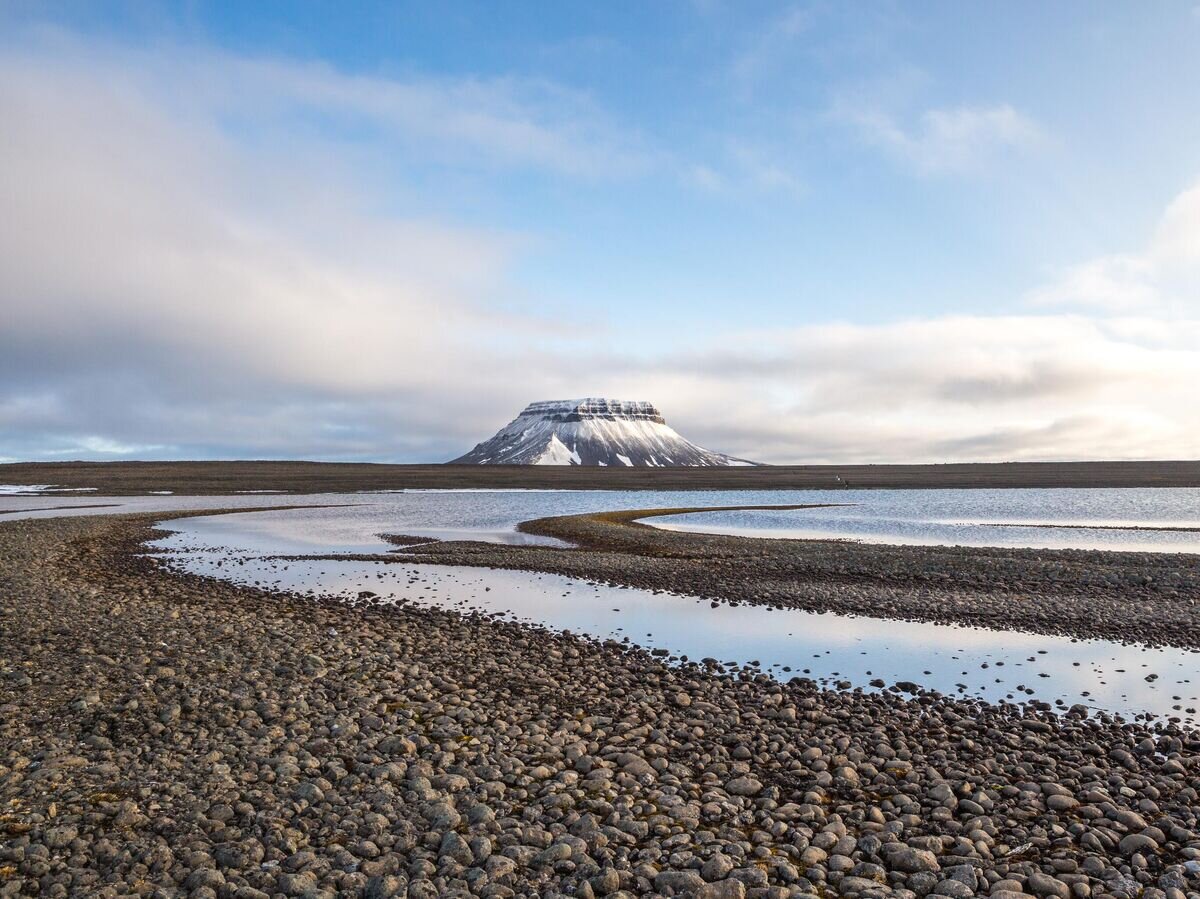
[953,140]
[189,271]
[1163,279]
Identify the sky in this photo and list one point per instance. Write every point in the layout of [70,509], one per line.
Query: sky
[808,232]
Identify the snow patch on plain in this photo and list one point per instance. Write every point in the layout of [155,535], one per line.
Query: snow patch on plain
[40,489]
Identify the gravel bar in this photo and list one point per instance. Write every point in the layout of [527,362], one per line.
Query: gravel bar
[1148,598]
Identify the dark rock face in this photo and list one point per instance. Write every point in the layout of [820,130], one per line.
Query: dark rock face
[593,431]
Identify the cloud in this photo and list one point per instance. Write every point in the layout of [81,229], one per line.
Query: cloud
[102,446]
[1164,277]
[126,231]
[186,270]
[746,169]
[957,388]
[176,273]
[494,122]
[503,121]
[951,140]
[774,40]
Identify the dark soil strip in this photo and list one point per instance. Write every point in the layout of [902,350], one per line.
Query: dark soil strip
[119,478]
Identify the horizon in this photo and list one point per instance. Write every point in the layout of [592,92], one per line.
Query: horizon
[808,234]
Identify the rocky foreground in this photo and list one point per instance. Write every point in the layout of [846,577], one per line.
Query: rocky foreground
[169,736]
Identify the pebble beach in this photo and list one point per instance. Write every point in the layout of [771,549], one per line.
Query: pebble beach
[167,735]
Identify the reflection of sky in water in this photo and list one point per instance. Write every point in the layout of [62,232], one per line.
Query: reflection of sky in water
[991,664]
[1139,520]
[891,516]
[831,647]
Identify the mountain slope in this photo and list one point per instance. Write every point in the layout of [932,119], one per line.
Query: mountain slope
[592,431]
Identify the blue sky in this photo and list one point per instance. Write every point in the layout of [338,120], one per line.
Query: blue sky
[789,212]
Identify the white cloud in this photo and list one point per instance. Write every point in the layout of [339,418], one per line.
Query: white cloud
[955,140]
[501,121]
[944,389]
[1163,278]
[135,221]
[176,270]
[747,169]
[102,446]
[763,171]
[1112,382]
[505,121]
[168,267]
[772,41]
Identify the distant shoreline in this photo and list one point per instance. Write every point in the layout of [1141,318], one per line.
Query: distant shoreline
[198,478]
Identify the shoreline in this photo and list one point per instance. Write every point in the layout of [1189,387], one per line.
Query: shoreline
[208,478]
[1128,597]
[164,734]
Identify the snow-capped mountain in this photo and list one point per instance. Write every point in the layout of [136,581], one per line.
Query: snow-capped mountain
[591,431]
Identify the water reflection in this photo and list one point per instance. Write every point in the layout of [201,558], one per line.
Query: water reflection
[827,647]
[1156,521]
[957,517]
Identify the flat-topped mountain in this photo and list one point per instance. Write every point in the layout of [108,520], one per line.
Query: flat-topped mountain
[592,431]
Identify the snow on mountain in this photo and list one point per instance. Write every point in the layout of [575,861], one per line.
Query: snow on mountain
[591,431]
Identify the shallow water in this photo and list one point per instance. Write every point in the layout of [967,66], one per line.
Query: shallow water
[827,647]
[832,648]
[1140,520]
[1096,519]
[56,505]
